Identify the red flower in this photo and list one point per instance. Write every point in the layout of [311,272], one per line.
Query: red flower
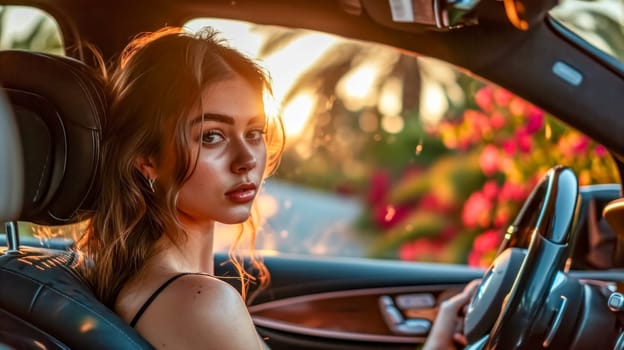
[600,151]
[490,190]
[509,147]
[581,144]
[489,160]
[484,247]
[434,203]
[502,97]
[380,183]
[478,123]
[421,249]
[429,202]
[497,120]
[448,232]
[488,240]
[535,120]
[523,140]
[573,145]
[484,99]
[517,106]
[476,211]
[513,192]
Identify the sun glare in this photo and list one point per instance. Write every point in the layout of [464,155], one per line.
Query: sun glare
[297,112]
[287,64]
[433,103]
[390,102]
[392,124]
[238,34]
[356,87]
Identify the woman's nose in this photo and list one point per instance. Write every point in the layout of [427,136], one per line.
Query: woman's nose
[244,159]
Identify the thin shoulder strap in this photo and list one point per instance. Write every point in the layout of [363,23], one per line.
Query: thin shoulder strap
[149,301]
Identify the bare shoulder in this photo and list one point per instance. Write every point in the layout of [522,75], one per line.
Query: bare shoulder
[202,288]
[199,311]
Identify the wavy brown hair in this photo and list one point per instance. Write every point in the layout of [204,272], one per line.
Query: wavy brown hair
[159,78]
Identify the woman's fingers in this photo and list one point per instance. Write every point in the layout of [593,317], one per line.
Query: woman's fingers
[460,339]
[461,299]
[448,321]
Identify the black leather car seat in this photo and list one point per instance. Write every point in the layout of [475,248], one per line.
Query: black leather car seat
[58,104]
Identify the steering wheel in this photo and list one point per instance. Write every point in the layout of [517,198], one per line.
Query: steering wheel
[523,280]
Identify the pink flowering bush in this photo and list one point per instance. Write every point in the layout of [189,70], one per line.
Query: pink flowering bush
[457,210]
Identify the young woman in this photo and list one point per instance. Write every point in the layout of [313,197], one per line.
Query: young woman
[188,144]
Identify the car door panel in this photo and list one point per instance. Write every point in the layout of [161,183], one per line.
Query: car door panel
[338,303]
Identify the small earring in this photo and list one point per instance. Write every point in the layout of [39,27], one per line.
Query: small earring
[151,184]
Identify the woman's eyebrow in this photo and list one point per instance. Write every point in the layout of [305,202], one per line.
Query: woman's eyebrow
[260,119]
[213,117]
[224,119]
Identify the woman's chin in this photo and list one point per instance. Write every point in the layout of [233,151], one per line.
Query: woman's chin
[238,218]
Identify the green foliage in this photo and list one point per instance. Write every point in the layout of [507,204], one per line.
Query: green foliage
[42,35]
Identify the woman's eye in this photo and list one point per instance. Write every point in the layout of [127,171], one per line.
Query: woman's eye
[255,135]
[212,138]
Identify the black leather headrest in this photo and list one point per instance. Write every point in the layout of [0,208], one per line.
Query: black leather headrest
[58,103]
[11,170]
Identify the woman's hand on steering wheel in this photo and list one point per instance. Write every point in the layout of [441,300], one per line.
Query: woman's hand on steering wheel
[448,325]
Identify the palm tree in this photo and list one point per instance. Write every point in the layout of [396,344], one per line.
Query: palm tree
[335,131]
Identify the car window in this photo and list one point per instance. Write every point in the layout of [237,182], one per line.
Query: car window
[392,156]
[29,28]
[599,22]
[399,157]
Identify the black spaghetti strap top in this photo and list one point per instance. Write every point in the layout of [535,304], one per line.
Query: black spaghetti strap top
[152,297]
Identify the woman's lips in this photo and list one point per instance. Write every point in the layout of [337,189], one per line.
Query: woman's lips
[242,194]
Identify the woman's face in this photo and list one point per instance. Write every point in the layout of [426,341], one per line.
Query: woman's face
[232,154]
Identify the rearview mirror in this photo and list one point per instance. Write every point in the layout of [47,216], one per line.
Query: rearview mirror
[416,15]
[420,15]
